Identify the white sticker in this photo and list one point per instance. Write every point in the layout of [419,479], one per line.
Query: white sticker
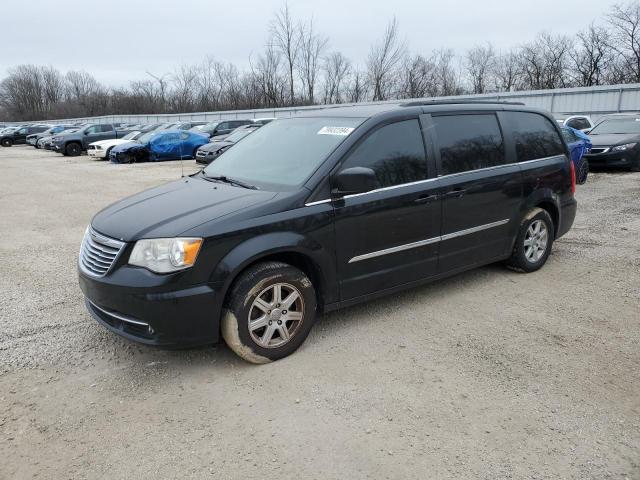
[342,131]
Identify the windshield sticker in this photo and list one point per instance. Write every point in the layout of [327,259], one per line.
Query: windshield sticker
[342,131]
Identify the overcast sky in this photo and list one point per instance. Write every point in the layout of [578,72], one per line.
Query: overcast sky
[119,40]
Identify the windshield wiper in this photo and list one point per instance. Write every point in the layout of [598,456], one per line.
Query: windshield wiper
[231,181]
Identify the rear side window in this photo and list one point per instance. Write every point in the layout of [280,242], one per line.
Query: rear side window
[394,152]
[534,135]
[106,128]
[469,142]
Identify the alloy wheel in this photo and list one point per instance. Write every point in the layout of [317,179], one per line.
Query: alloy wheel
[536,241]
[276,315]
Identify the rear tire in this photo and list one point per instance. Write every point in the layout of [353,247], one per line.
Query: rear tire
[6,142]
[270,310]
[534,242]
[73,149]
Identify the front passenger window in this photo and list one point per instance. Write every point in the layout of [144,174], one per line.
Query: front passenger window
[394,152]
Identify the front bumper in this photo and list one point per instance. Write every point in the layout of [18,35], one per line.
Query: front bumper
[97,153]
[57,147]
[205,157]
[611,159]
[152,309]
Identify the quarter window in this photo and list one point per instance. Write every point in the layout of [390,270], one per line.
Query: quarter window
[394,152]
[534,135]
[469,142]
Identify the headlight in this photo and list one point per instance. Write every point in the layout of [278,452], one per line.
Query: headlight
[164,255]
[622,148]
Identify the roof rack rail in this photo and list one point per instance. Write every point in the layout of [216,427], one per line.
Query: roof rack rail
[420,103]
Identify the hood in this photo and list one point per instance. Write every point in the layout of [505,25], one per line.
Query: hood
[128,146]
[113,141]
[173,208]
[610,139]
[215,146]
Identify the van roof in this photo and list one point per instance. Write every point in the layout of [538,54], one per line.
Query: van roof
[423,106]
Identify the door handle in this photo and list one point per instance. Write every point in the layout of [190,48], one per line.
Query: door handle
[426,198]
[455,193]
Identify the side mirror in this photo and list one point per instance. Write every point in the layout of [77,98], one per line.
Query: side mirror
[354,180]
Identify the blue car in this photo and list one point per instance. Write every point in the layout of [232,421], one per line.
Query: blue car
[159,145]
[579,143]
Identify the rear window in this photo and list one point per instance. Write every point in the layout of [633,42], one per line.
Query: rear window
[534,135]
[469,142]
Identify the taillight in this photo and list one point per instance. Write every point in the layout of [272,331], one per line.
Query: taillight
[573,176]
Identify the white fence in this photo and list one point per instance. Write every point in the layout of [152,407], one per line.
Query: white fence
[593,101]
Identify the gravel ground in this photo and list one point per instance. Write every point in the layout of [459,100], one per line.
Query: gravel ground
[490,374]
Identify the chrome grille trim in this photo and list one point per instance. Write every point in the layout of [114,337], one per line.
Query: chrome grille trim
[98,253]
[597,150]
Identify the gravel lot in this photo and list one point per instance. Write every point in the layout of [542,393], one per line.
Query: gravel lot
[490,374]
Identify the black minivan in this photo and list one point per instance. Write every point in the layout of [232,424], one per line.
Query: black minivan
[324,210]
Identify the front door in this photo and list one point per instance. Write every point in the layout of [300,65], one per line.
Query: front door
[481,191]
[388,236]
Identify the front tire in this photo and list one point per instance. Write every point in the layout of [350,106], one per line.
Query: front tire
[6,142]
[73,149]
[270,311]
[534,242]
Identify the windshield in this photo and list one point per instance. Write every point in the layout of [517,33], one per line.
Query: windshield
[629,125]
[146,137]
[240,134]
[131,135]
[284,153]
[209,127]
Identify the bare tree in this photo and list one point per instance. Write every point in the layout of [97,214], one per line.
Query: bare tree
[336,69]
[591,56]
[447,77]
[417,78]
[269,80]
[286,39]
[479,65]
[625,24]
[357,88]
[544,62]
[311,48]
[383,61]
[507,73]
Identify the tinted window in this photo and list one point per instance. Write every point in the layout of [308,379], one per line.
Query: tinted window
[394,152]
[106,128]
[283,154]
[534,135]
[469,142]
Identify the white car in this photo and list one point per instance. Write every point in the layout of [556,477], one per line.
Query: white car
[579,122]
[102,148]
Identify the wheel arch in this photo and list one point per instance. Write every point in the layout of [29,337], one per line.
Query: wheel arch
[547,200]
[291,248]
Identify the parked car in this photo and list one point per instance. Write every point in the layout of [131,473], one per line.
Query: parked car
[19,135]
[579,122]
[187,125]
[102,148]
[159,145]
[33,138]
[616,142]
[73,144]
[209,152]
[579,144]
[316,212]
[47,142]
[263,121]
[220,128]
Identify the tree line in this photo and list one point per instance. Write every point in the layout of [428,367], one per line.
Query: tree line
[298,67]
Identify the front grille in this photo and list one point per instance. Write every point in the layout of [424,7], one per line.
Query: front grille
[596,150]
[98,253]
